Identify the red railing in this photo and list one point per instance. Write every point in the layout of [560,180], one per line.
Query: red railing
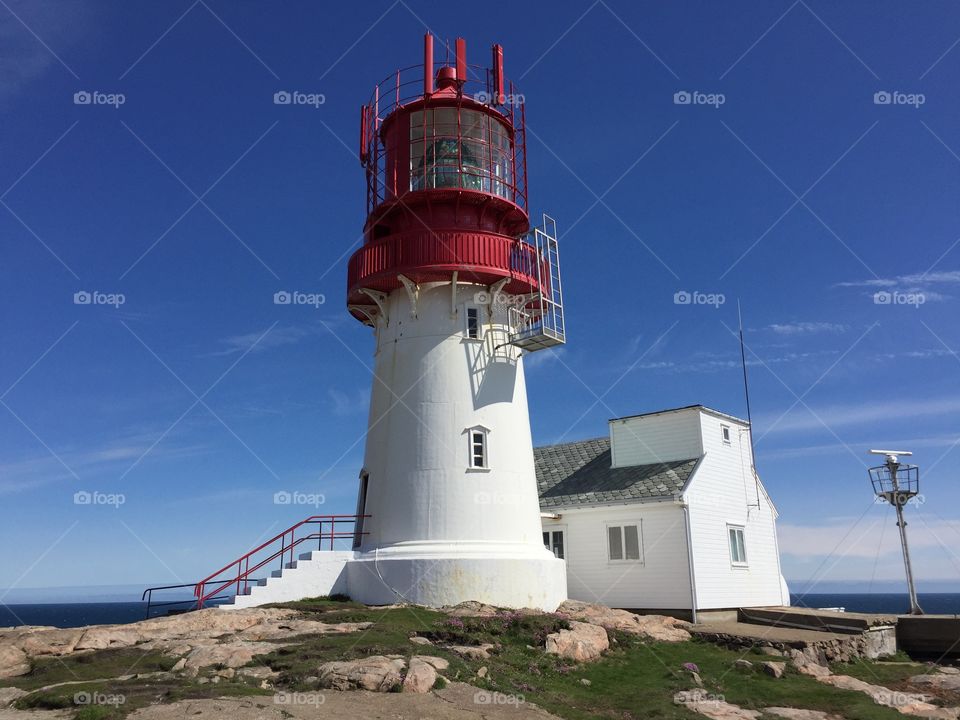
[288,542]
[405,86]
[417,253]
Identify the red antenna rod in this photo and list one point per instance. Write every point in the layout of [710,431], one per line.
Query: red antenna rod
[461,60]
[498,97]
[428,64]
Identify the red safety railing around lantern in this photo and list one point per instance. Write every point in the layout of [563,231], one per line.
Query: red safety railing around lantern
[235,577]
[405,86]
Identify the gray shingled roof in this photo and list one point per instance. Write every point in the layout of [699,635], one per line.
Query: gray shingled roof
[579,473]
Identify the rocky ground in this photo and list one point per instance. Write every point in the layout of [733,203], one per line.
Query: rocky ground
[328,658]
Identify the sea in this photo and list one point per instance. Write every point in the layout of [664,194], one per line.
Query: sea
[67,615]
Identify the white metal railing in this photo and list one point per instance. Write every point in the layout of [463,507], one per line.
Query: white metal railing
[539,324]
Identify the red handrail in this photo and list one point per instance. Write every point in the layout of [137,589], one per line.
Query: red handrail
[242,563]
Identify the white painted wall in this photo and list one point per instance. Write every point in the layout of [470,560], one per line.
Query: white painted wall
[722,492]
[429,509]
[661,581]
[655,438]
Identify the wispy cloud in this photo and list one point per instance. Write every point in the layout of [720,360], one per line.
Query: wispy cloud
[277,337]
[713,362]
[804,451]
[866,540]
[351,403]
[90,463]
[543,358]
[912,283]
[30,34]
[805,328]
[858,413]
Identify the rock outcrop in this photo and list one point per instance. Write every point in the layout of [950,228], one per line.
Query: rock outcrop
[205,637]
[656,627]
[377,674]
[583,642]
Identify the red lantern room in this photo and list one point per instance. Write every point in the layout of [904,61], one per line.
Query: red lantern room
[444,149]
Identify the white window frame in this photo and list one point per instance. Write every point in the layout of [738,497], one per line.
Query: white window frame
[731,527]
[466,322]
[725,434]
[471,448]
[623,541]
[562,529]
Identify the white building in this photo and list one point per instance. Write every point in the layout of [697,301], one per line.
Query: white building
[665,514]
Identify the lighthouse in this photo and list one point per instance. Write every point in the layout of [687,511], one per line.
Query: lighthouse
[457,288]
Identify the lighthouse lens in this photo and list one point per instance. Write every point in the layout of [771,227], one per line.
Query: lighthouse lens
[459,149]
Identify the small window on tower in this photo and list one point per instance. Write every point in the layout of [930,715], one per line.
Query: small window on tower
[477,447]
[725,434]
[473,322]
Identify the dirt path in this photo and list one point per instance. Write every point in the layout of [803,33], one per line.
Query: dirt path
[457,701]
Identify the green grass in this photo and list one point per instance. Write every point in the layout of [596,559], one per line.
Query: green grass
[91,666]
[635,679]
[86,673]
[117,699]
[324,603]
[880,672]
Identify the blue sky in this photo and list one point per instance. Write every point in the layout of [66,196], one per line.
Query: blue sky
[784,184]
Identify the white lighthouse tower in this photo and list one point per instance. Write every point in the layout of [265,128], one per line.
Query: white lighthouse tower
[457,290]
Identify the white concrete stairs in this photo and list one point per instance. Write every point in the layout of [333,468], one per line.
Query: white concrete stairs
[316,573]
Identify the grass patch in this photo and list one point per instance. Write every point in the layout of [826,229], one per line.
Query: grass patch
[116,699]
[389,635]
[635,679]
[90,666]
[880,672]
[321,604]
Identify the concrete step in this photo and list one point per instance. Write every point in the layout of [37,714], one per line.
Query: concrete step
[810,619]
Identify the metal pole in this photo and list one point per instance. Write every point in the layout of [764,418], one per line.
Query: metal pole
[898,501]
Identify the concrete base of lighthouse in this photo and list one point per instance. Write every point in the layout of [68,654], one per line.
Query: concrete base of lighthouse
[435,579]
[449,579]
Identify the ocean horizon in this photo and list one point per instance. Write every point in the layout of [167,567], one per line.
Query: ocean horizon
[78,614]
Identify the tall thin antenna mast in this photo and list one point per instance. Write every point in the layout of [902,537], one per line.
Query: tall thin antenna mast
[898,483]
[746,393]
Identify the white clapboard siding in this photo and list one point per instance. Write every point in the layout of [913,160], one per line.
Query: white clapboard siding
[655,438]
[660,581]
[724,492]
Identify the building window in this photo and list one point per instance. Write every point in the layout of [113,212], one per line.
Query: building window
[738,548]
[472,320]
[553,541]
[477,440]
[725,434]
[623,542]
